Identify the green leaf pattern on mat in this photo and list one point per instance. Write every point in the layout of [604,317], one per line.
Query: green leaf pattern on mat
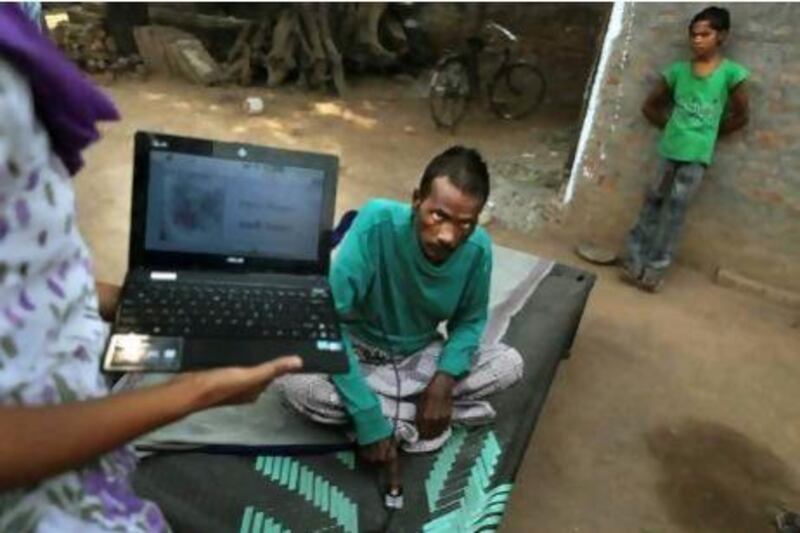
[258,522]
[314,488]
[481,506]
[442,465]
[348,459]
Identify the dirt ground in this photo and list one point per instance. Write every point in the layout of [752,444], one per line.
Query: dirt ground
[676,412]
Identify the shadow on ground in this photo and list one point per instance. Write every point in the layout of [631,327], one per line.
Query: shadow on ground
[715,479]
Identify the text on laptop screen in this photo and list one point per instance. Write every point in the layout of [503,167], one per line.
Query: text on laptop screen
[209,205]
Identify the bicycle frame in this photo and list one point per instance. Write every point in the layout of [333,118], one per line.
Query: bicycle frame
[465,63]
[502,30]
[475,45]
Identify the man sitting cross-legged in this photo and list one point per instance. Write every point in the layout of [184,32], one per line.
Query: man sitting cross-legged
[403,270]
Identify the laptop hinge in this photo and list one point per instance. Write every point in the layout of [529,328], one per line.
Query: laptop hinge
[164,276]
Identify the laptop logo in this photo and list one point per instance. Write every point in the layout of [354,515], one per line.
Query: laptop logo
[235,260]
[160,144]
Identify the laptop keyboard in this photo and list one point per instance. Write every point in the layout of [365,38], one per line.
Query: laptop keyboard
[211,310]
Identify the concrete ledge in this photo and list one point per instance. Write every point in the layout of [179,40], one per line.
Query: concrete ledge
[729,278]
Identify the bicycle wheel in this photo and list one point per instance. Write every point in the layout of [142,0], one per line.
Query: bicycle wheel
[449,92]
[517,90]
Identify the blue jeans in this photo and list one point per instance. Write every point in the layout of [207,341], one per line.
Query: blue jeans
[652,240]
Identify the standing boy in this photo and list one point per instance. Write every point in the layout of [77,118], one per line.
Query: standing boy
[694,103]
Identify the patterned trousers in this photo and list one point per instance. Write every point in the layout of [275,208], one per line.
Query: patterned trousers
[495,367]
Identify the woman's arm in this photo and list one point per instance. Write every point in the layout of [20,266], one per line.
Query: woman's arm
[107,299]
[39,442]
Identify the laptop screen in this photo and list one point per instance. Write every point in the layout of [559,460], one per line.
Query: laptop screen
[212,205]
[206,205]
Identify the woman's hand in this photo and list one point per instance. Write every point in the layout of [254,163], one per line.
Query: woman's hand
[234,385]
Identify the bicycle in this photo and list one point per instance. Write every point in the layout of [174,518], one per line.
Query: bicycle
[515,91]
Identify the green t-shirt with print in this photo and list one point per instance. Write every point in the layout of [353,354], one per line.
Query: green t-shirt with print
[699,105]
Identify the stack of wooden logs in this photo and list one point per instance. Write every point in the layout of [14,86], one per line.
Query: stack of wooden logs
[311,43]
[83,38]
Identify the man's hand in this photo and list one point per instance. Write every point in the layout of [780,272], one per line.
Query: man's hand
[435,406]
[380,453]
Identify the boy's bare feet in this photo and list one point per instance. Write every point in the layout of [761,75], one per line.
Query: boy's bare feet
[647,280]
[628,275]
[787,522]
[651,281]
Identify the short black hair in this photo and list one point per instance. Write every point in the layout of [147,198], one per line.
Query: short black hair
[464,167]
[717,17]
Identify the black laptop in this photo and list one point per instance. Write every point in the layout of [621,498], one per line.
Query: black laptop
[229,256]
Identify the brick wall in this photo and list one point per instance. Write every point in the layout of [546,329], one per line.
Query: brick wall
[747,213]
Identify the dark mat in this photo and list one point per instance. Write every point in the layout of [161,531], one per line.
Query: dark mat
[462,487]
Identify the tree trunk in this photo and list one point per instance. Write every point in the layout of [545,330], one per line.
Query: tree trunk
[171,16]
[369,18]
[280,60]
[318,61]
[335,58]
[121,18]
